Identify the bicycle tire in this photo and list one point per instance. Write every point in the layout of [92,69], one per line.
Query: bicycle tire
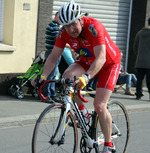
[120,118]
[44,129]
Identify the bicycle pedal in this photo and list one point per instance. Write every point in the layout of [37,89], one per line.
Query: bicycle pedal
[116,133]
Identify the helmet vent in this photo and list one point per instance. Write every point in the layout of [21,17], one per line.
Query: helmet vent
[76,13]
[67,13]
[71,15]
[63,17]
[73,7]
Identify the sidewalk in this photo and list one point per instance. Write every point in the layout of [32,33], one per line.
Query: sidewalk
[26,111]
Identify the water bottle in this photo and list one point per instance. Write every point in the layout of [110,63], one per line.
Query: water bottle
[85,114]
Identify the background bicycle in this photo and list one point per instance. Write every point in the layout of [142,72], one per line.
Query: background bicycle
[56,129]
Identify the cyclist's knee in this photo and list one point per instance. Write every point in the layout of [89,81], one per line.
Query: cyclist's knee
[68,74]
[100,108]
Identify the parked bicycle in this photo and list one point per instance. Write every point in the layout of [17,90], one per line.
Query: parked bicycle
[56,130]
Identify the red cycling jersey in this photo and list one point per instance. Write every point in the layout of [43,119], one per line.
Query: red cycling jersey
[93,34]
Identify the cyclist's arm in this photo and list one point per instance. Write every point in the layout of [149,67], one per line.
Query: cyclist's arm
[100,59]
[51,60]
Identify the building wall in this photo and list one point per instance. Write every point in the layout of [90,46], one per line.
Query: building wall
[19,38]
[20,28]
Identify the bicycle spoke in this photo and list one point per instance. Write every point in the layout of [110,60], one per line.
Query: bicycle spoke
[42,141]
[121,121]
[120,127]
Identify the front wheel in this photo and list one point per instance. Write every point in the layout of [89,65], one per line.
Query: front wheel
[120,127]
[48,136]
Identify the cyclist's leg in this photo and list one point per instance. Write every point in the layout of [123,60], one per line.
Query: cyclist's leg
[100,104]
[120,127]
[77,70]
[74,69]
[105,86]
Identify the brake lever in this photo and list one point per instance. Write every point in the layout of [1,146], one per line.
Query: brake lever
[79,92]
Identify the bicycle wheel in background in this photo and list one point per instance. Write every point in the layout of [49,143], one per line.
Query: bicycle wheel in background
[120,127]
[45,127]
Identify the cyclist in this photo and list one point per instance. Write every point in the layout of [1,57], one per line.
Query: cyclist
[99,56]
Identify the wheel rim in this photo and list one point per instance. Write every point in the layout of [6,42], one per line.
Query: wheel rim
[121,120]
[44,130]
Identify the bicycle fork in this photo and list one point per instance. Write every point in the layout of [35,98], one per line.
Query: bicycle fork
[63,114]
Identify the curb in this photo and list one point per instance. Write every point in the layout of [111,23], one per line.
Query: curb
[31,119]
[18,120]
[139,108]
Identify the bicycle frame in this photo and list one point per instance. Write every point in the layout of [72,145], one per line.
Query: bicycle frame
[68,105]
[68,102]
[91,143]
[101,139]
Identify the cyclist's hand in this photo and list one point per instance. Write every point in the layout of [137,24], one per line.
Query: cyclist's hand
[83,80]
[38,79]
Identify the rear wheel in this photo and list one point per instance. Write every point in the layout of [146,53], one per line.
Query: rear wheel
[44,139]
[120,127]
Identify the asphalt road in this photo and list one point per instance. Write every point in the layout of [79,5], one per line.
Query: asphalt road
[17,119]
[17,139]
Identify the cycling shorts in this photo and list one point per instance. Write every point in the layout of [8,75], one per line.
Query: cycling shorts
[107,76]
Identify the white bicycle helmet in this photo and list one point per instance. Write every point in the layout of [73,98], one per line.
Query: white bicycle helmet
[69,12]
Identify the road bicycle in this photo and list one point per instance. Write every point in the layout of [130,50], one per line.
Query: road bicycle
[56,129]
